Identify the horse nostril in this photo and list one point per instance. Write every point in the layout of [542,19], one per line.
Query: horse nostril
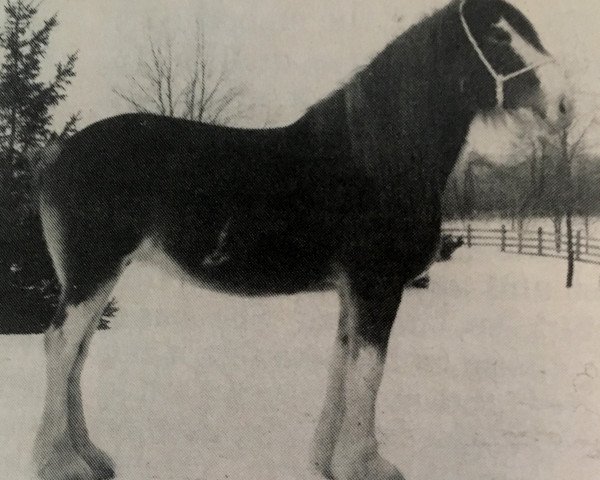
[562,108]
[565,111]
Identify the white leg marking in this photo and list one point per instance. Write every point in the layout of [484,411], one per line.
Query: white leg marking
[363,377]
[100,462]
[356,456]
[54,454]
[332,414]
[55,457]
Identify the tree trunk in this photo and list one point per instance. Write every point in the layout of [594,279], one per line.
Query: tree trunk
[569,197]
[570,251]
[469,194]
[586,221]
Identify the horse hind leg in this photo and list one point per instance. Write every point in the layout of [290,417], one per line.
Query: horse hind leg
[57,451]
[62,447]
[99,461]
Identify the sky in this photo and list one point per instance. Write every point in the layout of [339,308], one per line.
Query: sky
[286,53]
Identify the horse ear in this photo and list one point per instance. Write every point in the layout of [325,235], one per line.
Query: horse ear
[484,10]
[483,16]
[478,3]
[488,3]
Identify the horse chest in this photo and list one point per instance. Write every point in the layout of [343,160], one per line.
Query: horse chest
[406,239]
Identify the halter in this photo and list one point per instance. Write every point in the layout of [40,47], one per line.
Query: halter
[498,77]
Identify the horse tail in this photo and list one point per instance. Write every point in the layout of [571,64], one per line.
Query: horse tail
[41,158]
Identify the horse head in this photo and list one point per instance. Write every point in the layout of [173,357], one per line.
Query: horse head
[507,67]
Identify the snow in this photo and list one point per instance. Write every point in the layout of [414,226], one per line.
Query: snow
[493,373]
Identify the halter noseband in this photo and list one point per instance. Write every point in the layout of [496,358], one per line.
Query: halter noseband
[498,77]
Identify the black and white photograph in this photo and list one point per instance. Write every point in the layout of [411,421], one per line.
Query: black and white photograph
[299,240]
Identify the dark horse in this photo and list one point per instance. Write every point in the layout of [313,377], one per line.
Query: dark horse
[345,198]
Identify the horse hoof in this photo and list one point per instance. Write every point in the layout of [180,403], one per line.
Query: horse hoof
[321,452]
[65,466]
[363,462]
[99,461]
[375,469]
[321,465]
[381,469]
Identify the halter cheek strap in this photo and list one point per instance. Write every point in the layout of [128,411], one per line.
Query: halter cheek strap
[499,78]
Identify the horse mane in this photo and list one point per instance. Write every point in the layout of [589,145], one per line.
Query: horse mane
[389,97]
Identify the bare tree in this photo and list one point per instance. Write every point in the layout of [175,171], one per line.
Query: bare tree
[199,89]
[570,146]
[573,146]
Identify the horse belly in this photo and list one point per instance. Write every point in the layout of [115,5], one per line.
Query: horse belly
[257,273]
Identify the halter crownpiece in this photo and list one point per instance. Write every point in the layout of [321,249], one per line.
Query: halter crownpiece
[498,77]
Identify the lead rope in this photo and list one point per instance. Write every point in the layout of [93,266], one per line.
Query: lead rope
[498,77]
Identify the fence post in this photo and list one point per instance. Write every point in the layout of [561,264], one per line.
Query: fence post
[578,245]
[587,234]
[503,239]
[587,242]
[540,242]
[520,239]
[469,235]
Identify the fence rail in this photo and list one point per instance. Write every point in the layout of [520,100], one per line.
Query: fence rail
[531,242]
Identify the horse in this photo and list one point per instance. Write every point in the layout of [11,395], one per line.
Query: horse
[346,198]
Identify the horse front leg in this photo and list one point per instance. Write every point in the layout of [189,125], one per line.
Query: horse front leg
[373,306]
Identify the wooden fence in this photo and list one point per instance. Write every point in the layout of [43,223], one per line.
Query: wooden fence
[529,242]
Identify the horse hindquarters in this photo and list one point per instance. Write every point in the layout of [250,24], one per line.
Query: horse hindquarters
[345,446]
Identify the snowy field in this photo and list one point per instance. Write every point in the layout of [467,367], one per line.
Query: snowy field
[493,373]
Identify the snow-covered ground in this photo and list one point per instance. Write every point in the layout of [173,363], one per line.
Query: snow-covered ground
[493,373]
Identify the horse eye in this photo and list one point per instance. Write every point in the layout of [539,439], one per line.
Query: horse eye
[499,36]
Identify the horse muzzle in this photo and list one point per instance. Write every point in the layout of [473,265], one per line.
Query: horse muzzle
[553,103]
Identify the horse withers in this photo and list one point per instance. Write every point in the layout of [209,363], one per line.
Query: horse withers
[345,198]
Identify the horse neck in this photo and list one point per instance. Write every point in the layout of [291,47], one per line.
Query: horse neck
[419,117]
[402,119]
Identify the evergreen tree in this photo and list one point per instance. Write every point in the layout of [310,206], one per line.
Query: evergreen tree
[27,102]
